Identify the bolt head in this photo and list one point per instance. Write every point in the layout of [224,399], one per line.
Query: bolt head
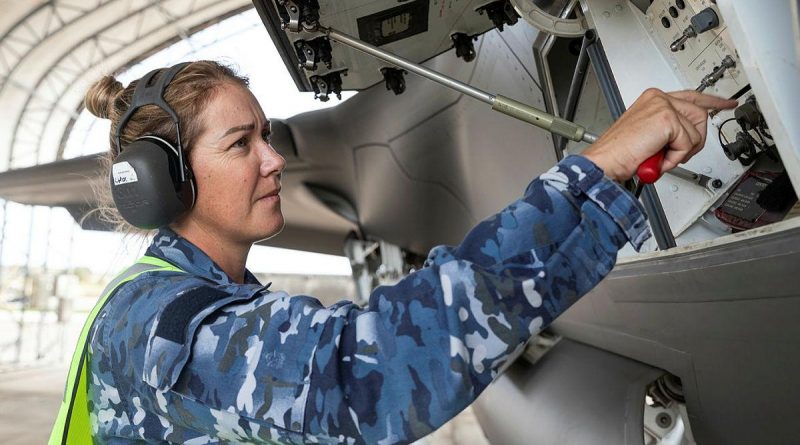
[618,8]
[673,188]
[606,14]
[664,420]
[707,170]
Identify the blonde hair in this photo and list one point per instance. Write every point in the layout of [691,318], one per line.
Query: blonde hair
[188,94]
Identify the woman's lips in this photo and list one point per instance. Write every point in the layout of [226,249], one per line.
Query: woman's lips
[272,196]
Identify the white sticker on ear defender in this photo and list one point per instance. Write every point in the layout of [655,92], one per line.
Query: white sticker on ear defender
[123,173]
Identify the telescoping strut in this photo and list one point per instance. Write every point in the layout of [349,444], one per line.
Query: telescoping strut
[505,105]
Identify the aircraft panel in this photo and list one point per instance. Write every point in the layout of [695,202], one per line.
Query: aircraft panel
[417,30]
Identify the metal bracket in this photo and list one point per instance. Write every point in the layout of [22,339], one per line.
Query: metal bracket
[465,48]
[298,15]
[500,13]
[311,52]
[327,84]
[395,79]
[550,24]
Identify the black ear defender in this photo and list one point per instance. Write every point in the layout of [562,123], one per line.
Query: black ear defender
[151,182]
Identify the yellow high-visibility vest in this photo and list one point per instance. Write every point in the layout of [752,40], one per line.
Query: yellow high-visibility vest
[72,425]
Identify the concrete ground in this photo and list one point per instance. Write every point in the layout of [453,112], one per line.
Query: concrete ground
[29,400]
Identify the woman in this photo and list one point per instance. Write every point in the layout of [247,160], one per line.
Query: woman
[203,353]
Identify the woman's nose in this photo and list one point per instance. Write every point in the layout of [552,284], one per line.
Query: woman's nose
[271,160]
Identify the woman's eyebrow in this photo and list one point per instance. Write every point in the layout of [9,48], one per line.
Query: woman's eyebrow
[245,127]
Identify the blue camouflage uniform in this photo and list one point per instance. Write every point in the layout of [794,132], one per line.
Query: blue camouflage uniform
[195,358]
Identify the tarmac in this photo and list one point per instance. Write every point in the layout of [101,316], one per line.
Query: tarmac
[29,401]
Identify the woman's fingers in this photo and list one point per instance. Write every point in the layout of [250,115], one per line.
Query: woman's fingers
[684,142]
[706,101]
[696,135]
[692,108]
[696,114]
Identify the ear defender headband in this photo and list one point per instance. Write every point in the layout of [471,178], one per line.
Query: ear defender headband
[151,182]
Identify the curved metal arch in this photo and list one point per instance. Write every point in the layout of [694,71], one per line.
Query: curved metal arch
[24,22]
[69,127]
[62,85]
[545,22]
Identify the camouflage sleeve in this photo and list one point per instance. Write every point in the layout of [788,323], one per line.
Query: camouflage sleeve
[578,179]
[425,348]
[285,368]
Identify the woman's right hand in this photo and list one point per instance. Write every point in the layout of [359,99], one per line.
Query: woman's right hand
[675,122]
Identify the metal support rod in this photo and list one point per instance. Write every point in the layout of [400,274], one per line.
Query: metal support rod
[575,87]
[499,103]
[652,204]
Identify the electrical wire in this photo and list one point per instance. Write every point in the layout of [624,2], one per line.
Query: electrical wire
[719,133]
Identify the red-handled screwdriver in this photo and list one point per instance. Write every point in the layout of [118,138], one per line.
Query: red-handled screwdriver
[650,170]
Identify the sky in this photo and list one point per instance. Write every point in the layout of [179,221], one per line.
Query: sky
[57,243]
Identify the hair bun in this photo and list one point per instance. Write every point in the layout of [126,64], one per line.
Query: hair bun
[101,97]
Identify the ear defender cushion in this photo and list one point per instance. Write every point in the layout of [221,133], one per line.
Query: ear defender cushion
[145,184]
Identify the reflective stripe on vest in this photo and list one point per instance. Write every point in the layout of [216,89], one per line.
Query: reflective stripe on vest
[72,425]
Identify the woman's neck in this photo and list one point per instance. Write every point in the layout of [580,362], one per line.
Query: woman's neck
[229,256]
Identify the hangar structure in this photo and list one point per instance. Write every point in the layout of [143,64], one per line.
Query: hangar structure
[50,52]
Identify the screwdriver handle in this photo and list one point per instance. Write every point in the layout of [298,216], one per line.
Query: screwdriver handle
[650,170]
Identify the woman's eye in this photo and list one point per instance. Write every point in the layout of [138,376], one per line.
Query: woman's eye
[242,142]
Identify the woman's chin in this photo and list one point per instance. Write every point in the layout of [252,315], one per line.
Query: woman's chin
[275,227]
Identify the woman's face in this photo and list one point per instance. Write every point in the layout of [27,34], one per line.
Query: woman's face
[238,173]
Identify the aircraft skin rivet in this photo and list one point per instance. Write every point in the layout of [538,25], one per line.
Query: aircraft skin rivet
[673,188]
[606,14]
[707,170]
[618,8]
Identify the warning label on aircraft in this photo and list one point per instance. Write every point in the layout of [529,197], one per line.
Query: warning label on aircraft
[743,202]
[394,24]
[123,173]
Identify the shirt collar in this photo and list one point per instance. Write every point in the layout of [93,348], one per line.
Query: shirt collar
[177,250]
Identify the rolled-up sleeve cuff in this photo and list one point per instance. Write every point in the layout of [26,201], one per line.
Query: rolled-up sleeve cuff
[580,176]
